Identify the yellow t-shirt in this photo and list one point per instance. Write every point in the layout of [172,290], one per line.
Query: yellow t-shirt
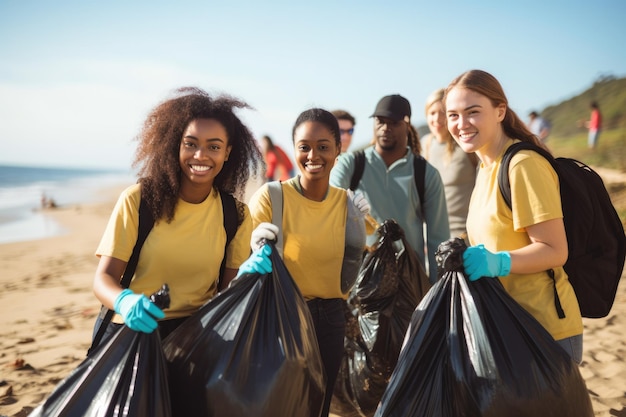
[313,237]
[186,254]
[535,198]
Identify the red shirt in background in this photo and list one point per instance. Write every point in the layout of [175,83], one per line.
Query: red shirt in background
[279,166]
[596,120]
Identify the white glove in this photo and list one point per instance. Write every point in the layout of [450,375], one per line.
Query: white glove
[263,232]
[359,202]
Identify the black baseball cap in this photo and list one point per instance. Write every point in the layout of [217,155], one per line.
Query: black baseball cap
[394,107]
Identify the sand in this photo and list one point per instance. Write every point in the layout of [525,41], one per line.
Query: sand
[47,311]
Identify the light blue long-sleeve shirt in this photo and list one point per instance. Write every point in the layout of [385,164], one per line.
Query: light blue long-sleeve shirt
[392,194]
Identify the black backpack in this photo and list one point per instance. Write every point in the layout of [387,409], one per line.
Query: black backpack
[419,173]
[146,222]
[595,234]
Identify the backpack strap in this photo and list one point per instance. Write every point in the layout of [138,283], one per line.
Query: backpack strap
[504,184]
[146,222]
[275,189]
[355,242]
[419,174]
[354,238]
[231,223]
[359,166]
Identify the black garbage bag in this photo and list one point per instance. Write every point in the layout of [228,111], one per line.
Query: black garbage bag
[124,377]
[358,388]
[471,350]
[250,351]
[391,283]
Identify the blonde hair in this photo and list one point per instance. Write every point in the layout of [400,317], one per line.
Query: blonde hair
[437,97]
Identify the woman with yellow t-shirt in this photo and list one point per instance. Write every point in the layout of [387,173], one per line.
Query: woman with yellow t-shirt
[191,146]
[314,233]
[522,244]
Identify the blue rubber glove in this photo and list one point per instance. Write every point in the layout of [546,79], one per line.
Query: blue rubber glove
[138,312]
[479,262]
[259,262]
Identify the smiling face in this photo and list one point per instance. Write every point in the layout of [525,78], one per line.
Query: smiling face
[474,122]
[203,150]
[315,151]
[436,119]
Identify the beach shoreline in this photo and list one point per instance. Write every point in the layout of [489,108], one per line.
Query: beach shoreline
[29,194]
[47,305]
[48,310]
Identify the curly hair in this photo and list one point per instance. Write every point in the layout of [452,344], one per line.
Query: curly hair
[157,155]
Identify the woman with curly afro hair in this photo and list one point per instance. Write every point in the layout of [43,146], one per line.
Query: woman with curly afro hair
[192,148]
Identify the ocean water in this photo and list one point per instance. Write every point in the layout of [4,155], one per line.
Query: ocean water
[22,188]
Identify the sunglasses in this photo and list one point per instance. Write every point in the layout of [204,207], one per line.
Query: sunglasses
[348,131]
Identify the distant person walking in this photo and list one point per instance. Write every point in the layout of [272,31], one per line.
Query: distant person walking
[594,124]
[346,127]
[538,126]
[279,166]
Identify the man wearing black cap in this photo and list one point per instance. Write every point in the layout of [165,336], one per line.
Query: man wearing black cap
[387,182]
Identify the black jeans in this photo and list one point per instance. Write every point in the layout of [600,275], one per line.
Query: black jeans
[330,328]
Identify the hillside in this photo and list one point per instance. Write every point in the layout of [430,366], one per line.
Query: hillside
[568,138]
[609,92]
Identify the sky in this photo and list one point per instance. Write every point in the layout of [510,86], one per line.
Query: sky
[77,78]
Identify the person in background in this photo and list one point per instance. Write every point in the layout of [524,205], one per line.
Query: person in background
[388,184]
[594,124]
[346,128]
[47,202]
[520,245]
[191,146]
[457,168]
[538,126]
[314,234]
[279,166]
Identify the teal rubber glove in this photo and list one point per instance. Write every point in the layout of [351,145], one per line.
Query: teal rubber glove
[138,312]
[479,262]
[259,262]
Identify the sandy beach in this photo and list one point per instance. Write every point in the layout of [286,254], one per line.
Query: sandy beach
[48,310]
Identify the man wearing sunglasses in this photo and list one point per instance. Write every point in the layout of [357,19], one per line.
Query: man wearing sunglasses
[346,127]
